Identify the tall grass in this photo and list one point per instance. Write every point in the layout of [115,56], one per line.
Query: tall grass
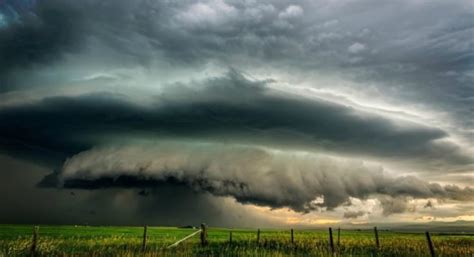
[126,241]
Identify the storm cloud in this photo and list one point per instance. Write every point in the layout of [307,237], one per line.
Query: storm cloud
[322,102]
[248,174]
[168,204]
[37,35]
[227,108]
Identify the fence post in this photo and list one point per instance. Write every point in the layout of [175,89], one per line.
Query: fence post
[338,235]
[34,241]
[292,237]
[204,241]
[377,243]
[331,242]
[144,238]
[430,244]
[230,236]
[258,236]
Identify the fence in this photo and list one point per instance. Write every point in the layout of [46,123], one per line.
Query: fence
[204,239]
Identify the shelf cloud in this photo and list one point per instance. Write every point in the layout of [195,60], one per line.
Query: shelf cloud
[248,174]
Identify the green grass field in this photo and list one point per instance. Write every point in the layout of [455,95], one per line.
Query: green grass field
[15,240]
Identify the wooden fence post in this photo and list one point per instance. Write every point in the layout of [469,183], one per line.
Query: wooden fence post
[430,244]
[331,241]
[258,236]
[292,237]
[204,241]
[230,237]
[34,241]
[338,236]
[377,243]
[144,238]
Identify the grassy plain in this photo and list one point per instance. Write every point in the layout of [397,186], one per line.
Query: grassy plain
[15,240]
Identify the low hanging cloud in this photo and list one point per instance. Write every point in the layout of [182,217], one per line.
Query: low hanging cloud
[250,175]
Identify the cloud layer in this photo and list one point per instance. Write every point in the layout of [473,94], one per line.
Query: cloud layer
[227,108]
[248,174]
[269,87]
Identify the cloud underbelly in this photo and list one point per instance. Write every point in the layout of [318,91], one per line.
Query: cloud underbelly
[252,175]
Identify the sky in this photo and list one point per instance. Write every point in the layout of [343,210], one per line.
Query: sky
[236,113]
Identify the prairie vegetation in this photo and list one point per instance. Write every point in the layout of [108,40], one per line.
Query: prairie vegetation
[16,240]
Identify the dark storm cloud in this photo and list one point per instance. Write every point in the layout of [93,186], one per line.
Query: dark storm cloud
[271,31]
[409,55]
[413,61]
[168,204]
[248,174]
[226,108]
[39,36]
